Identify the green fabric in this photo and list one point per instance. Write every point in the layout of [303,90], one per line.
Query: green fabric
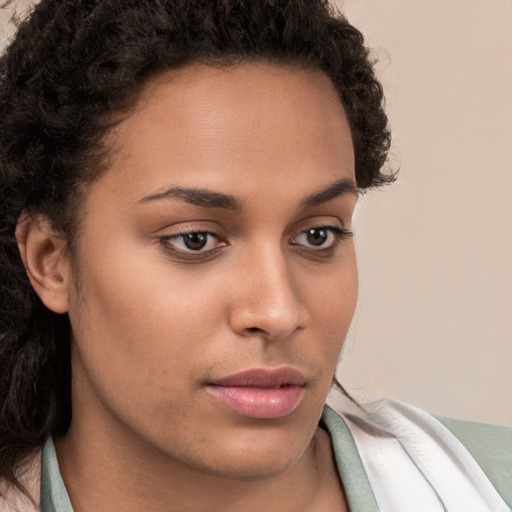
[357,487]
[54,497]
[491,447]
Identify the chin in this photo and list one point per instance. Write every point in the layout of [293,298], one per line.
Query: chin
[252,469]
[261,457]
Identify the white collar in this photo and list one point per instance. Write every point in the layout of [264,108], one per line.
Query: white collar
[413,462]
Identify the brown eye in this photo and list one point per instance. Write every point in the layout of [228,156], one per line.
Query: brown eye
[317,236]
[198,242]
[195,241]
[320,238]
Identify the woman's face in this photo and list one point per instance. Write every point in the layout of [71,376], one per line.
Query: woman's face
[215,274]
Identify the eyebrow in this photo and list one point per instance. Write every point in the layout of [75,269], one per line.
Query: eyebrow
[336,189]
[198,197]
[210,199]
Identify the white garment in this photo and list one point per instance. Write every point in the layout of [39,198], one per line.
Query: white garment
[413,462]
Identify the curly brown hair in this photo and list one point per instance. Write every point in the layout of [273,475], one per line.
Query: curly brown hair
[74,64]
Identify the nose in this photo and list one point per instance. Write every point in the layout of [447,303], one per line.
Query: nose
[266,299]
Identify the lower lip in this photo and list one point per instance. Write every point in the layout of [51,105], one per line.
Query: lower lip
[263,403]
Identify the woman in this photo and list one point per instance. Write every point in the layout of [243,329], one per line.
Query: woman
[178,182]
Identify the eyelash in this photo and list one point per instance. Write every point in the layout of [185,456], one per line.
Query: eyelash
[339,234]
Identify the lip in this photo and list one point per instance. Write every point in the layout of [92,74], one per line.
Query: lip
[263,378]
[260,393]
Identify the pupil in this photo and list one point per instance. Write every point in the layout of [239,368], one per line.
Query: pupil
[195,241]
[317,236]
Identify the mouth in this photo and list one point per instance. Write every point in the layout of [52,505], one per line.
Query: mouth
[260,393]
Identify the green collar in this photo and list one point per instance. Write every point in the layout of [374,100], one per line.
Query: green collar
[353,477]
[54,497]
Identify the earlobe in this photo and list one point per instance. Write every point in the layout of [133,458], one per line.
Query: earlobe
[44,255]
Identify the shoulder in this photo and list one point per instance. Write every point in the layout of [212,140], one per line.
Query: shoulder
[491,447]
[12,499]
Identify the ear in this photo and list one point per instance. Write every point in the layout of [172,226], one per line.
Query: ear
[46,260]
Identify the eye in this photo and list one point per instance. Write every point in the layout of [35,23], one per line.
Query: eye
[193,242]
[322,237]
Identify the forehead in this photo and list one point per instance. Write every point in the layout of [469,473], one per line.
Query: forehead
[241,127]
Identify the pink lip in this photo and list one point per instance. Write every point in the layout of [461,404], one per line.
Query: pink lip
[261,393]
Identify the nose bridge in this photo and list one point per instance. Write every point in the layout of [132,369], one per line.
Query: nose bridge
[267,299]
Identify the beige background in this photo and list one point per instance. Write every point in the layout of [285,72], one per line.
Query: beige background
[434,321]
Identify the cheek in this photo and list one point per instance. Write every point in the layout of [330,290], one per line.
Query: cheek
[139,346]
[151,320]
[332,296]
[130,323]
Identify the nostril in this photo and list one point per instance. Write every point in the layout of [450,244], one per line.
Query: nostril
[255,329]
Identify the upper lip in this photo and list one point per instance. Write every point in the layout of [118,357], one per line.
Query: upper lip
[263,378]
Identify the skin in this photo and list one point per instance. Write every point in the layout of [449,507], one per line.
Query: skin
[154,322]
